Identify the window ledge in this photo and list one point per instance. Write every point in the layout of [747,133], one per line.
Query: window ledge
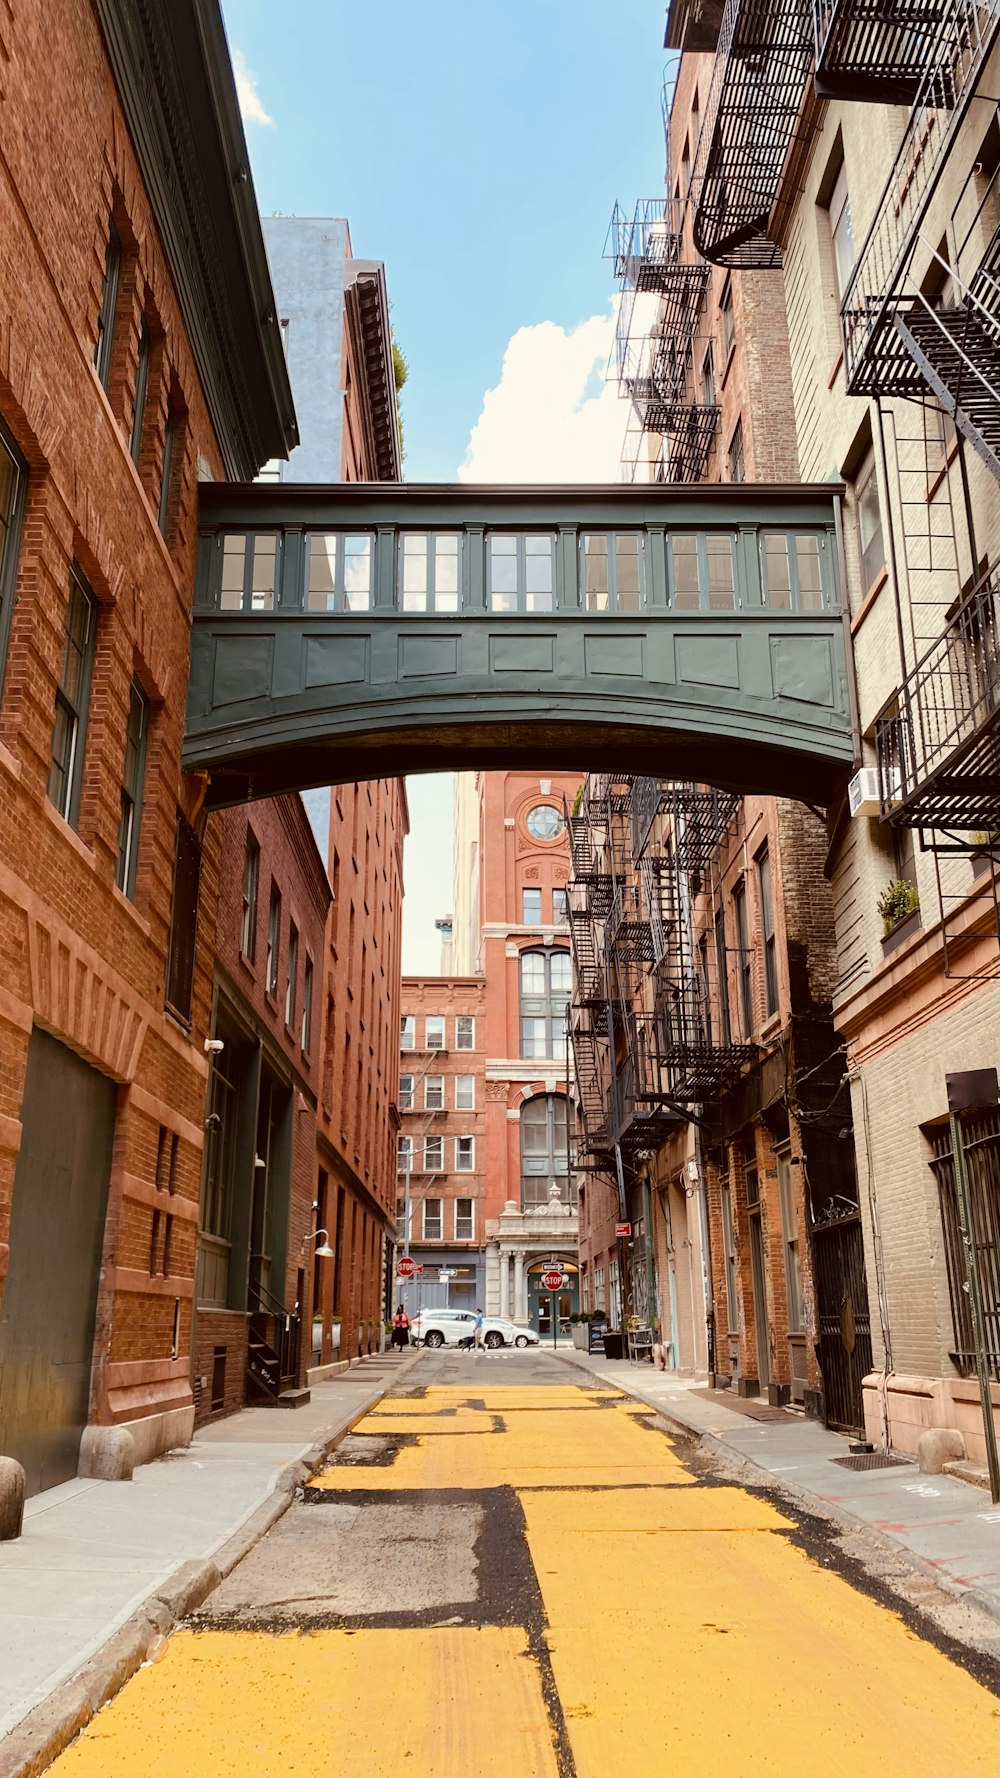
[9,764]
[769,1029]
[62,826]
[869,599]
[834,373]
[128,906]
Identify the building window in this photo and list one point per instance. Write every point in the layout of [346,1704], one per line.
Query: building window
[544,1148]
[465,1092]
[404,1154]
[765,892]
[167,470]
[612,570]
[728,319]
[433,1154]
[250,567]
[729,1258]
[702,573]
[981,1147]
[141,387]
[339,571]
[307,1004]
[433,1219]
[546,985]
[531,907]
[403,1233]
[560,907]
[248,919]
[744,960]
[429,571]
[841,233]
[545,822]
[183,920]
[273,941]
[520,572]
[789,1231]
[408,1032]
[109,303]
[870,539]
[791,571]
[737,466]
[218,1193]
[131,790]
[406,1092]
[599,1288]
[722,973]
[69,732]
[434,1032]
[465,1219]
[291,973]
[12,485]
[433,1092]
[708,391]
[465,1032]
[465,1154]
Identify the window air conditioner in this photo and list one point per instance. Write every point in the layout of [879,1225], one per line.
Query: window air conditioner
[864,792]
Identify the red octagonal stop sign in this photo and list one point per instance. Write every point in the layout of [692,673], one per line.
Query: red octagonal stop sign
[553,1280]
[405,1267]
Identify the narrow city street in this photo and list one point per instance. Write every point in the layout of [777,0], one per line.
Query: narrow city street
[509,1570]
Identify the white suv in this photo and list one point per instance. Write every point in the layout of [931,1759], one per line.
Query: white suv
[450,1327]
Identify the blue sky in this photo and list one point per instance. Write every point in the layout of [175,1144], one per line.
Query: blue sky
[476,148]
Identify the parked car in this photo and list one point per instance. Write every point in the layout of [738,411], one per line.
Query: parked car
[450,1327]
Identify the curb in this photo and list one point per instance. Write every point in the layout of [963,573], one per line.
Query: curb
[838,1515]
[38,1739]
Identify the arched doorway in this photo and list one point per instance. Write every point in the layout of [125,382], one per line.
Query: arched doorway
[543,1304]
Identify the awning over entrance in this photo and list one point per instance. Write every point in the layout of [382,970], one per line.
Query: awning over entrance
[358,631]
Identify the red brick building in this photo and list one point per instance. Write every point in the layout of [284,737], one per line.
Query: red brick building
[130,366]
[442,1177]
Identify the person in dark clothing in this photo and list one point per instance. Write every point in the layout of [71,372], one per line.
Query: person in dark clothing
[400,1329]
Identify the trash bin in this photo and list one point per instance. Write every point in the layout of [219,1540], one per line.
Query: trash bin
[613,1344]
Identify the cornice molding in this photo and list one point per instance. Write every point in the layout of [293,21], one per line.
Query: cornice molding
[367,306]
[171,65]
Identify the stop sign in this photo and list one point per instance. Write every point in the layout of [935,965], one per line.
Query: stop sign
[405,1267]
[553,1280]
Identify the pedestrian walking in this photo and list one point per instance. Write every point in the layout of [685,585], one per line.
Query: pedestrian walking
[480,1344]
[400,1329]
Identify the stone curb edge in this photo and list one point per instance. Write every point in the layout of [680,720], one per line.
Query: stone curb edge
[32,1745]
[838,1515]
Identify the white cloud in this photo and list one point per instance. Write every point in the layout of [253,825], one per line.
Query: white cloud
[251,105]
[539,424]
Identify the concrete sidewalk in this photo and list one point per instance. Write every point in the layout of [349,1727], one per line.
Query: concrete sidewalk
[93,1554]
[946,1527]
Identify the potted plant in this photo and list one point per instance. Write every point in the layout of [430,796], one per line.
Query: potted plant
[335,1333]
[899,906]
[580,1330]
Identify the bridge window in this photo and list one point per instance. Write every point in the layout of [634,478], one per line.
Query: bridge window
[428,571]
[702,572]
[791,571]
[250,570]
[612,570]
[521,572]
[339,571]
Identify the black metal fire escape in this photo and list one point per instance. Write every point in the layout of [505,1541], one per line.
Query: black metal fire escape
[655,359]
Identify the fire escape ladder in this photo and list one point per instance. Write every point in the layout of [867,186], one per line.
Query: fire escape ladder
[754,104]
[957,351]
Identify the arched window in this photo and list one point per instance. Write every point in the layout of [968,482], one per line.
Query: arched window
[544,1148]
[546,984]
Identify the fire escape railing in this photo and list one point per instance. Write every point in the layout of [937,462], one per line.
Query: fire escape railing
[655,359]
[758,84]
[877,49]
[939,752]
[876,358]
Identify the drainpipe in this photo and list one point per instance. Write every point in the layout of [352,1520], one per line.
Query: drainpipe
[696,1181]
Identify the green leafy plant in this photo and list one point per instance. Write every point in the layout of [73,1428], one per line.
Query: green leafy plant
[898,899]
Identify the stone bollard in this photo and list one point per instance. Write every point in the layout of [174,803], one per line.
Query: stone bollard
[11,1498]
[107,1454]
[938,1446]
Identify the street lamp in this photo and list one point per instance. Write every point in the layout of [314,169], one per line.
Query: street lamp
[324,1251]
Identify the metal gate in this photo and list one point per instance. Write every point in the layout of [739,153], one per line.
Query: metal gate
[845,1335]
[57,1230]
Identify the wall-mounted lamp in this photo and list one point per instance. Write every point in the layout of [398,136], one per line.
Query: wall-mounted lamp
[214,1046]
[324,1251]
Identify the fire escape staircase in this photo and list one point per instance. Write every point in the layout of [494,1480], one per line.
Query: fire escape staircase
[957,353]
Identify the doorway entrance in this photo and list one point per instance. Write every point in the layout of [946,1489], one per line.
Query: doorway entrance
[56,1236]
[758,1278]
[543,1304]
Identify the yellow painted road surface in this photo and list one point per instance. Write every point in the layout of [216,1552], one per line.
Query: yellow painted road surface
[679,1632]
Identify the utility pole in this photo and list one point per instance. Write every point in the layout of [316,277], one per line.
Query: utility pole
[974,1091]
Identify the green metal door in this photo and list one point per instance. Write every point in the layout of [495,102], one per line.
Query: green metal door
[49,1301]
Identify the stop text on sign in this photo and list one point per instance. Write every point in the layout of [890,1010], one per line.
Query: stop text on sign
[405,1267]
[553,1280]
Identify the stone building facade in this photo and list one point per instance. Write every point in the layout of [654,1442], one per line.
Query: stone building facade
[126,374]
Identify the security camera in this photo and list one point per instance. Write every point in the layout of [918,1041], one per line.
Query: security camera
[214,1046]
[213,1121]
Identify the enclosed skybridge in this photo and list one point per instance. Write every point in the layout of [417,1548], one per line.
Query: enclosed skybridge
[363,630]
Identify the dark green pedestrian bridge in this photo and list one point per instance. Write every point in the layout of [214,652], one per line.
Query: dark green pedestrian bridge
[363,630]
